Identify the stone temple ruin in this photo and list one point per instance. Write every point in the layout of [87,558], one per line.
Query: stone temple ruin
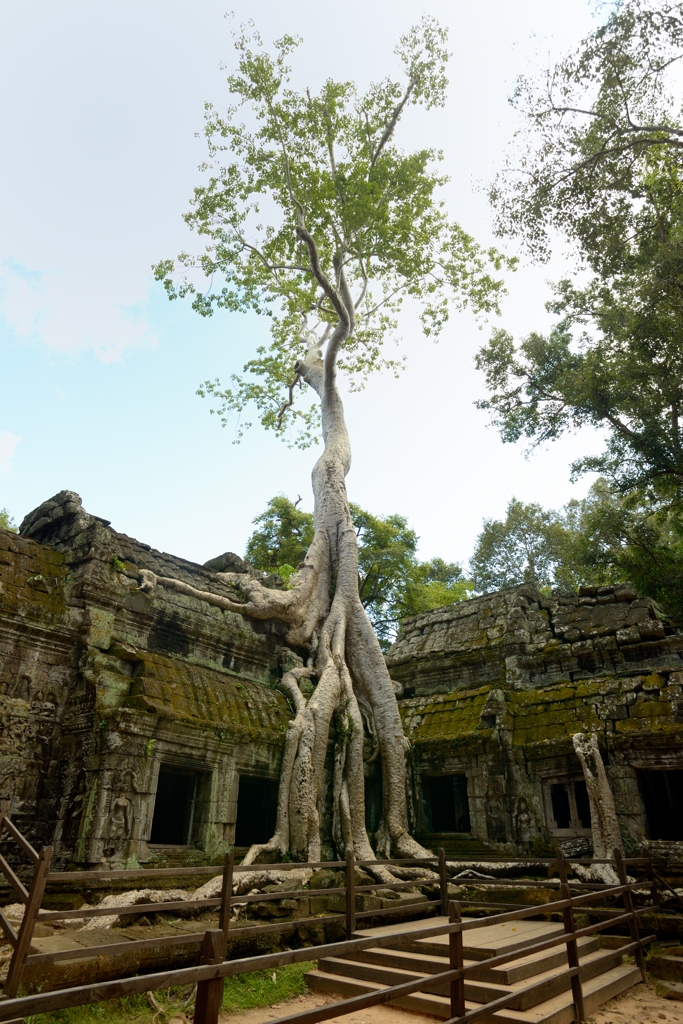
[141,730]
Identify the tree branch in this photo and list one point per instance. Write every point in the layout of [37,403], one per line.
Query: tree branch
[391,124]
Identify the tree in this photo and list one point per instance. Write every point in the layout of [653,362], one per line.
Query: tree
[320,221]
[527,547]
[603,539]
[601,161]
[635,538]
[282,539]
[392,583]
[6,521]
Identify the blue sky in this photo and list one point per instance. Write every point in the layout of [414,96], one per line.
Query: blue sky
[99,371]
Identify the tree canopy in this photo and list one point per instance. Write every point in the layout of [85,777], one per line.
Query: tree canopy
[393,584]
[319,173]
[6,521]
[600,160]
[603,539]
[526,547]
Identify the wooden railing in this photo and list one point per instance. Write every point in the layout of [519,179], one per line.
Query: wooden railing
[31,898]
[213,968]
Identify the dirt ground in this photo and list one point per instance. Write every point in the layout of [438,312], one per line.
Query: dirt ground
[640,1005]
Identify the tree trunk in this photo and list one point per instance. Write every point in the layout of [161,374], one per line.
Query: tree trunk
[325,616]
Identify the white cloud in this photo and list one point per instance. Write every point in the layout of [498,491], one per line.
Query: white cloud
[71,312]
[8,442]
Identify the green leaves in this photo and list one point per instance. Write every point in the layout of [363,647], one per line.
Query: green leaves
[526,547]
[392,583]
[591,124]
[283,536]
[601,160]
[281,159]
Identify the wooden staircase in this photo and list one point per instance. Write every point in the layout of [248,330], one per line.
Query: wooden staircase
[603,973]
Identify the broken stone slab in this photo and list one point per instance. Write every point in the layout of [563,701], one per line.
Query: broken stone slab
[666,967]
[669,990]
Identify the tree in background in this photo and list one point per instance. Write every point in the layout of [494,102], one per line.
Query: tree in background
[314,217]
[526,547]
[600,160]
[604,539]
[392,582]
[6,521]
[283,536]
[634,537]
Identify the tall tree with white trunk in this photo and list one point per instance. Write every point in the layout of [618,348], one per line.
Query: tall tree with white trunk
[315,217]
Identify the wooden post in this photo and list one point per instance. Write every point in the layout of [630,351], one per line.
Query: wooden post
[654,888]
[210,993]
[456,961]
[572,945]
[226,895]
[35,897]
[628,907]
[443,882]
[350,894]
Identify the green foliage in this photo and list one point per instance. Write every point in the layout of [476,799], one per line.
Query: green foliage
[242,992]
[636,537]
[392,583]
[602,161]
[282,538]
[526,547]
[433,584]
[592,129]
[6,521]
[263,988]
[325,161]
[604,539]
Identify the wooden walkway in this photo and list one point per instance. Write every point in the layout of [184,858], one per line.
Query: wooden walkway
[603,973]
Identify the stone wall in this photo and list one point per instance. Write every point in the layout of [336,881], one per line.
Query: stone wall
[104,687]
[543,669]
[518,638]
[101,685]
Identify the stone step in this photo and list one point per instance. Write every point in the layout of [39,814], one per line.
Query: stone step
[457,845]
[483,943]
[534,963]
[557,1009]
[505,974]
[556,981]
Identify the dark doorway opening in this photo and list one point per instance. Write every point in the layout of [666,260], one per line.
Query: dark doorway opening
[256,810]
[447,804]
[662,793]
[373,802]
[560,801]
[174,807]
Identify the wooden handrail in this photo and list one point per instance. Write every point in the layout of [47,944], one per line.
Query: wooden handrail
[16,835]
[98,992]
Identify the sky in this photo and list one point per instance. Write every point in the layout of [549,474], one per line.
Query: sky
[100,111]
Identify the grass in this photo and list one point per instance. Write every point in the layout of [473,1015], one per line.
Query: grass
[243,992]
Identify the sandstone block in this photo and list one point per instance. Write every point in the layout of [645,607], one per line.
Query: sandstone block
[628,635]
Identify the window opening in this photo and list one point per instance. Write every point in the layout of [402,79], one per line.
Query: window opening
[568,807]
[174,807]
[662,791]
[256,810]
[446,803]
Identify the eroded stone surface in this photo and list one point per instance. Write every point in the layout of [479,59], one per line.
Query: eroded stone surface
[100,684]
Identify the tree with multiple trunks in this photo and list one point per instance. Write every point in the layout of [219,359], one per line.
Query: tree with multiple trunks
[600,161]
[392,582]
[315,217]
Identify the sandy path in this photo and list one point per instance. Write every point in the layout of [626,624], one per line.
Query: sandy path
[640,1005]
